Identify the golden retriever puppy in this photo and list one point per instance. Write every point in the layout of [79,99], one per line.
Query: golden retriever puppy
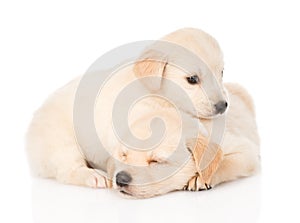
[54,151]
[240,140]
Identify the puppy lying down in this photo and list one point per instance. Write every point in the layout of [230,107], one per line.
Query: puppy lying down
[187,158]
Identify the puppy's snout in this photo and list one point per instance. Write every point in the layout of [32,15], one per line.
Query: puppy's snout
[221,107]
[123,179]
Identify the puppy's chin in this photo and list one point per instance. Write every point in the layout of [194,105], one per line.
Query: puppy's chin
[124,193]
[211,115]
[129,192]
[132,192]
[207,116]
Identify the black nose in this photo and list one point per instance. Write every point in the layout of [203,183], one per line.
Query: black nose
[221,107]
[123,179]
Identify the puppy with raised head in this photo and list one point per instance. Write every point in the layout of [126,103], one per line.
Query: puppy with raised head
[53,150]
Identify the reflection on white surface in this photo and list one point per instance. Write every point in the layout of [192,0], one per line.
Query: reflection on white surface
[237,201]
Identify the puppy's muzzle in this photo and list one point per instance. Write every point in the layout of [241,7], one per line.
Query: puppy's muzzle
[123,179]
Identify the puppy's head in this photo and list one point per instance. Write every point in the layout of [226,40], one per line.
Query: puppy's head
[138,174]
[192,60]
[151,179]
[166,166]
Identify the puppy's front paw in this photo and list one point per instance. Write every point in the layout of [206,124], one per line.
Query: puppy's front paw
[84,176]
[196,184]
[95,180]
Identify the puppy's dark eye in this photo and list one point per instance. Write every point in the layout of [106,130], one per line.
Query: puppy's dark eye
[222,72]
[123,156]
[152,162]
[157,161]
[193,79]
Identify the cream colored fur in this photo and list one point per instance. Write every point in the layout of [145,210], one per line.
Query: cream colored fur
[53,151]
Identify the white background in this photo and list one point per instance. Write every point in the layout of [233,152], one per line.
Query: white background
[44,44]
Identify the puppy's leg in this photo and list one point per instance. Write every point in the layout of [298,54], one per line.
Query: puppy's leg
[202,180]
[239,163]
[61,159]
[207,160]
[84,176]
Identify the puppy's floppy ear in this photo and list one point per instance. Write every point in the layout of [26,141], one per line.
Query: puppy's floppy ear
[151,64]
